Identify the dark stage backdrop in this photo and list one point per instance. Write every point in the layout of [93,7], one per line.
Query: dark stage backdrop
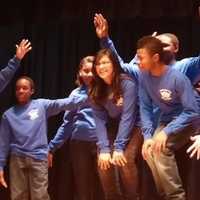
[62,33]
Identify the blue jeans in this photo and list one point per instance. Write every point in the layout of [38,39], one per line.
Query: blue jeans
[28,178]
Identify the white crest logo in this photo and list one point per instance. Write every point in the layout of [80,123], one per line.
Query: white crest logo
[166,94]
[33,114]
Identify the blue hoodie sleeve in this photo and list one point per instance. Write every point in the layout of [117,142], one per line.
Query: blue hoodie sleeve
[129,68]
[53,107]
[5,135]
[129,114]
[190,109]
[8,72]
[146,112]
[63,133]
[101,118]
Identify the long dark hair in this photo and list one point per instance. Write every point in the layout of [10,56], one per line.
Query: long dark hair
[87,59]
[99,89]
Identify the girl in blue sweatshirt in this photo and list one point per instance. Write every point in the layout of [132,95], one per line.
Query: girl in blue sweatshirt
[8,72]
[23,136]
[173,93]
[115,104]
[79,126]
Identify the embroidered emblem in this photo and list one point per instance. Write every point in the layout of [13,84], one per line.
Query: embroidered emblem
[33,114]
[166,95]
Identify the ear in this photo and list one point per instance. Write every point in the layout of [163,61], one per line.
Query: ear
[156,57]
[32,91]
[176,46]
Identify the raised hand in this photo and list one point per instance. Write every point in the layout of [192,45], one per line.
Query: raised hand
[2,180]
[101,26]
[23,48]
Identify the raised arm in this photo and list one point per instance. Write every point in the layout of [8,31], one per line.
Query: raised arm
[8,72]
[102,29]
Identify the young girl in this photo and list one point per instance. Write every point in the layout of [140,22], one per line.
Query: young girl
[115,99]
[79,125]
[23,135]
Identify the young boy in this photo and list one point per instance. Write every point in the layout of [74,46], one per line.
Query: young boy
[8,72]
[172,92]
[23,136]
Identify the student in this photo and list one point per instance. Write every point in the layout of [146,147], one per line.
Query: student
[188,66]
[179,112]
[8,72]
[23,136]
[79,126]
[114,98]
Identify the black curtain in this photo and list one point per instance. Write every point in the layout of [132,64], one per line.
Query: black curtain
[62,33]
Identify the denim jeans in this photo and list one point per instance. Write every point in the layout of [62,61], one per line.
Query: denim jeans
[123,182]
[164,166]
[28,178]
[84,165]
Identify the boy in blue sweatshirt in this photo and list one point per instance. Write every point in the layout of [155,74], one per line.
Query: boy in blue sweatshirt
[8,72]
[23,136]
[173,93]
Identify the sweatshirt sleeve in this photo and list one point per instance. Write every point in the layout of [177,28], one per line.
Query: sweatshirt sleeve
[190,110]
[5,135]
[101,118]
[129,114]
[129,68]
[63,133]
[8,72]
[53,107]
[146,112]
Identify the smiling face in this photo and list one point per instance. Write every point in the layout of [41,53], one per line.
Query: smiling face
[104,69]
[23,91]
[85,73]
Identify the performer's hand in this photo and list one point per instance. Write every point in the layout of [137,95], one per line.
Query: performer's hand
[50,159]
[119,159]
[22,49]
[2,180]
[147,148]
[101,26]
[160,141]
[104,161]
[195,147]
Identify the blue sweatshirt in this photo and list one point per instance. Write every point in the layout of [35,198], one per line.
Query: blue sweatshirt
[23,129]
[127,113]
[188,66]
[77,125]
[175,98]
[8,72]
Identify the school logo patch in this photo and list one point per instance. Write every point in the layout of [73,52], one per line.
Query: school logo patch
[33,114]
[165,94]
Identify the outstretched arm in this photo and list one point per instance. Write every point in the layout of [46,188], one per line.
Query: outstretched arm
[8,72]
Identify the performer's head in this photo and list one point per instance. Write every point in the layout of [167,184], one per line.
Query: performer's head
[106,73]
[171,46]
[24,89]
[150,52]
[84,75]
